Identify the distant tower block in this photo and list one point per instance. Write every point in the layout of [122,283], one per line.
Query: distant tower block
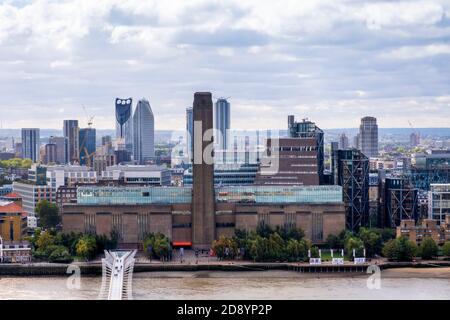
[123,113]
[124,124]
[203,210]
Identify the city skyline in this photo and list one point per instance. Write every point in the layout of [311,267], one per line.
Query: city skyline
[270,64]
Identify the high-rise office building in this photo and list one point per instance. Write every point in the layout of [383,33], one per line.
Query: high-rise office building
[50,153]
[189,131]
[60,143]
[71,133]
[300,156]
[368,136]
[106,141]
[30,143]
[87,139]
[144,132]
[107,145]
[356,142]
[414,139]
[18,149]
[222,123]
[124,124]
[203,202]
[343,141]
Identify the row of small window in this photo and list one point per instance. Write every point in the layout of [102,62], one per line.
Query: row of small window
[296,149]
[218,225]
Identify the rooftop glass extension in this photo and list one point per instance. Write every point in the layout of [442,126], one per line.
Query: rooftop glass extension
[87,195]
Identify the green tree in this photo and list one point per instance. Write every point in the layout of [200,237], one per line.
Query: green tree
[406,249]
[332,242]
[446,249]
[159,244]
[225,248]
[60,254]
[276,250]
[400,249]
[106,243]
[45,239]
[264,230]
[314,252]
[259,249]
[389,249]
[428,249]
[354,243]
[373,242]
[16,163]
[48,214]
[385,233]
[290,233]
[86,247]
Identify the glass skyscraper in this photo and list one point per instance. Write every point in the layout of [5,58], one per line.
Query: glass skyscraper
[144,132]
[87,140]
[124,123]
[30,143]
[71,133]
[60,143]
[222,123]
[368,136]
[190,131]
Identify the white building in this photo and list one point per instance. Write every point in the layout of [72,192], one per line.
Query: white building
[138,174]
[14,252]
[70,175]
[144,132]
[439,201]
[31,195]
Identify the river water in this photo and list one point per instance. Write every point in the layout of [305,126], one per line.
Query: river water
[395,284]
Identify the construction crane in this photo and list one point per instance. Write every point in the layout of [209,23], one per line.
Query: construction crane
[85,155]
[90,119]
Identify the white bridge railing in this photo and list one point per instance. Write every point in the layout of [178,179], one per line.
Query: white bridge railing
[117,278]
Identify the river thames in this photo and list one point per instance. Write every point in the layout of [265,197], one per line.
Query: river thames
[431,284]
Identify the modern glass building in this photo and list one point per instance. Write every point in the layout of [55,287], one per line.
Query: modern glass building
[30,143]
[87,139]
[427,169]
[229,174]
[222,123]
[124,123]
[60,143]
[279,194]
[368,136]
[144,132]
[71,133]
[439,202]
[236,194]
[190,132]
[133,195]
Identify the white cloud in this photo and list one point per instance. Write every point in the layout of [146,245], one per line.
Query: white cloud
[405,13]
[60,63]
[330,60]
[416,52]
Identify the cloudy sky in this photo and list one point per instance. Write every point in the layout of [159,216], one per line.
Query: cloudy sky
[331,61]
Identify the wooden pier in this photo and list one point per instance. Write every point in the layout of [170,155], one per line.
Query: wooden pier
[355,268]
